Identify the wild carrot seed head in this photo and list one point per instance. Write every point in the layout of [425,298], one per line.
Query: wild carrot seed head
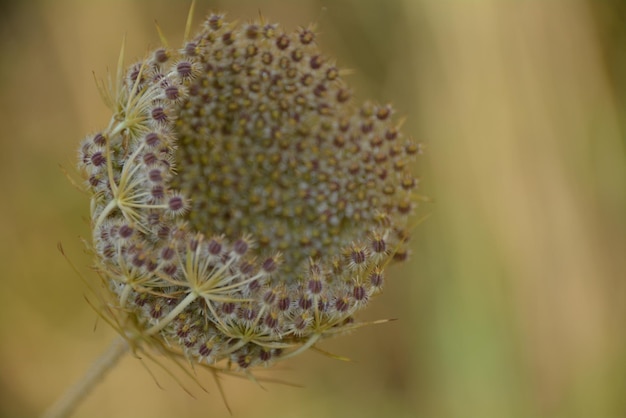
[241,201]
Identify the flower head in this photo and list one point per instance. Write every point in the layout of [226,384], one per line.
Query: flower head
[243,207]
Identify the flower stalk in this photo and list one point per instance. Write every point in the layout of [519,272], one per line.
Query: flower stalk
[67,403]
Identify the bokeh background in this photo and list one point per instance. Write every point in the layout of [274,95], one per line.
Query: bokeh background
[513,303]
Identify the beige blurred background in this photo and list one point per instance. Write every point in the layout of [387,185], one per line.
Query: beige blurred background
[514,301]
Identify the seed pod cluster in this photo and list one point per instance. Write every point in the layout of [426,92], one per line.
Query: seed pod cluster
[243,207]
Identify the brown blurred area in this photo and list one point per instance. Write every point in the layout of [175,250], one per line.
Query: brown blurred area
[514,300]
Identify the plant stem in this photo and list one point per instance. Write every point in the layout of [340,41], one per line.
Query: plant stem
[65,405]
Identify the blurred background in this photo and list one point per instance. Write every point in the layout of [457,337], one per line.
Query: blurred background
[514,300]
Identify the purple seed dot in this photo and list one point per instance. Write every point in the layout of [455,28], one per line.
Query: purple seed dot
[284,303]
[269,265]
[190,48]
[228,308]
[165,163]
[157,192]
[306,37]
[296,55]
[172,92]
[99,140]
[228,38]
[248,314]
[215,248]
[98,159]
[376,279]
[265,355]
[391,134]
[269,297]
[322,305]
[164,232]
[161,55]
[138,261]
[158,114]
[306,79]
[153,218]
[300,322]
[246,268]
[215,22]
[252,31]
[85,149]
[140,299]
[244,361]
[271,321]
[315,286]
[282,42]
[367,127]
[134,74]
[152,139]
[167,253]
[156,311]
[305,303]
[149,158]
[358,256]
[170,270]
[240,247]
[359,292]
[176,203]
[316,62]
[320,90]
[342,304]
[383,113]
[343,95]
[155,175]
[204,350]
[379,245]
[401,256]
[109,251]
[125,231]
[184,69]
[183,331]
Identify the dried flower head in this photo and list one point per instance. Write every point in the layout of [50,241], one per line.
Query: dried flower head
[243,207]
